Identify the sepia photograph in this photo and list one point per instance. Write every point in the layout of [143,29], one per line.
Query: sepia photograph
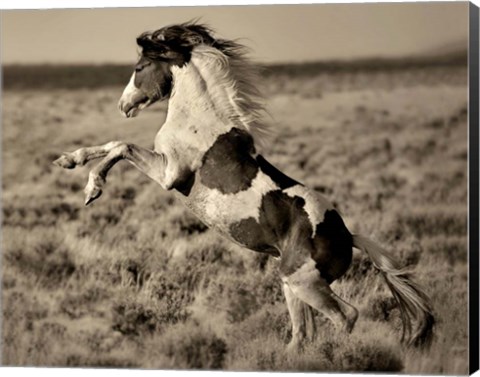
[279,188]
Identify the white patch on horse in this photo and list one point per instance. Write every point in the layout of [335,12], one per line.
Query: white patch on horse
[224,210]
[128,94]
[315,204]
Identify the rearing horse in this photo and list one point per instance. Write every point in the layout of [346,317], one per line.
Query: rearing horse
[206,153]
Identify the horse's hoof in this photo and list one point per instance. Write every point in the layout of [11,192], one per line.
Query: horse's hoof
[92,195]
[65,161]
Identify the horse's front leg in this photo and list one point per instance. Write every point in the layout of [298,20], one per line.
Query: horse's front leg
[149,162]
[83,155]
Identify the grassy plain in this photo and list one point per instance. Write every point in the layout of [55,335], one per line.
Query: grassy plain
[134,280]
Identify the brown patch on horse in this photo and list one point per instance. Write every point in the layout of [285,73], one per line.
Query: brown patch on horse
[252,235]
[330,248]
[278,213]
[228,165]
[333,243]
[282,180]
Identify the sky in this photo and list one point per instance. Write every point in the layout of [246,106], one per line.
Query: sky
[275,33]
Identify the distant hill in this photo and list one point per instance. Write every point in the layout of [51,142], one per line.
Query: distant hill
[46,77]
[448,50]
[443,56]
[49,76]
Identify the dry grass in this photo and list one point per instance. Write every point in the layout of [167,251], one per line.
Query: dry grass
[136,281]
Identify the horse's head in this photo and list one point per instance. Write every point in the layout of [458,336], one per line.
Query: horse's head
[161,50]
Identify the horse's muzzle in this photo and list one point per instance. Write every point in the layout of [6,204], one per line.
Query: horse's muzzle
[131,107]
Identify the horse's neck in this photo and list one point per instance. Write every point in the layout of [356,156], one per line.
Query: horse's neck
[195,103]
[198,115]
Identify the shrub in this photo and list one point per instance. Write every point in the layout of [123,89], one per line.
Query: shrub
[187,346]
[133,318]
[452,249]
[161,303]
[270,321]
[432,221]
[76,304]
[367,356]
[38,211]
[44,256]
[379,308]
[26,338]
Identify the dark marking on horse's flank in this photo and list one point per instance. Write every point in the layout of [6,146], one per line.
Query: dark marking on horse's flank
[278,213]
[284,224]
[333,243]
[250,233]
[228,165]
[282,180]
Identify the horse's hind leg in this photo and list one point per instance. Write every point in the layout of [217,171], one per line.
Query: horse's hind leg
[307,285]
[303,323]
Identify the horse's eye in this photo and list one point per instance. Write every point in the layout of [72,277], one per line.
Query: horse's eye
[138,67]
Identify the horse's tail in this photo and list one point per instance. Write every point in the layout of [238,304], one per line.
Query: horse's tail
[414,304]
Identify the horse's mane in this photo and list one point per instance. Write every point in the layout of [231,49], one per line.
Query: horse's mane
[244,103]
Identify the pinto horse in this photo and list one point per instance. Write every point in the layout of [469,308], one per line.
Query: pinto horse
[206,153]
